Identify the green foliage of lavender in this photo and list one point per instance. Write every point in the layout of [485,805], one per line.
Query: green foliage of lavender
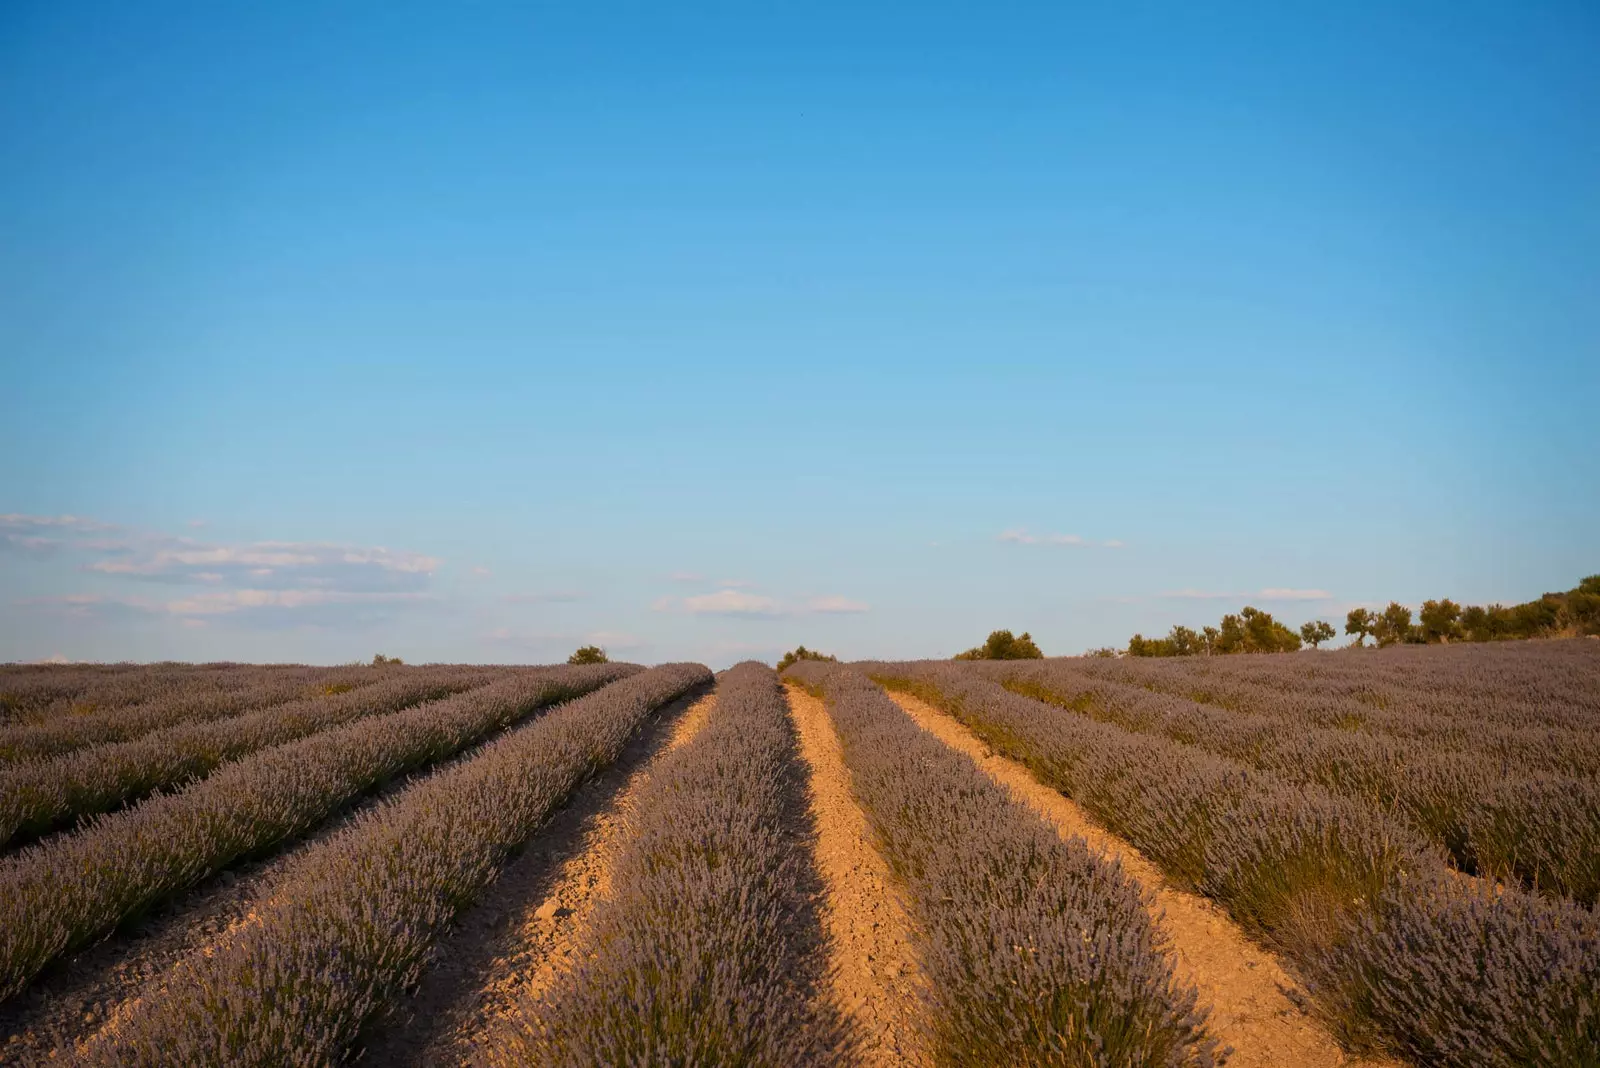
[1038,951]
[711,950]
[350,926]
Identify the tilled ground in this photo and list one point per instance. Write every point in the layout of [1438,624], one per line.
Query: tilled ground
[1254,1002]
[524,929]
[875,968]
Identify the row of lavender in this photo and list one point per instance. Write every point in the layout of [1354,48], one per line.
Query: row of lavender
[32,696]
[351,923]
[1504,729]
[145,703]
[710,949]
[1531,816]
[63,892]
[1400,952]
[1516,684]
[1037,950]
[38,796]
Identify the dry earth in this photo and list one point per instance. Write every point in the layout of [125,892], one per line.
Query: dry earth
[1252,998]
[526,927]
[875,971]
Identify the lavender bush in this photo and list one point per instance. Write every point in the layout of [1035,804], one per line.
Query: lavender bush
[127,705]
[1461,976]
[710,950]
[38,796]
[351,924]
[61,893]
[1509,820]
[1332,884]
[1037,951]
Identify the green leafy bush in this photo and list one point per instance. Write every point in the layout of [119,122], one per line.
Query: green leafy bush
[1003,645]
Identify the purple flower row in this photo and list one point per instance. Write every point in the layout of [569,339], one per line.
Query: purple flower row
[1402,953]
[1036,950]
[39,796]
[351,923]
[1516,822]
[63,892]
[710,950]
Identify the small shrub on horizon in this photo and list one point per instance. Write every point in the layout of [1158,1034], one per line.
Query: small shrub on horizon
[1003,645]
[589,654]
[799,653]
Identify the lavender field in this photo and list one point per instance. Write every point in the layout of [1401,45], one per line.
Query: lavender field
[1386,857]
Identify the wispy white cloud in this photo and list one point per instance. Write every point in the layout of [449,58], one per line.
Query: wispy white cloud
[687,576]
[73,524]
[248,608]
[93,607]
[150,556]
[1021,536]
[480,571]
[836,606]
[288,564]
[41,535]
[546,597]
[734,603]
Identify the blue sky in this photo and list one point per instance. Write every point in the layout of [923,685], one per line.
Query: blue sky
[701,331]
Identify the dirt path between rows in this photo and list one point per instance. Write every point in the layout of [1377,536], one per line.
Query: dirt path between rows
[875,970]
[1247,989]
[524,929]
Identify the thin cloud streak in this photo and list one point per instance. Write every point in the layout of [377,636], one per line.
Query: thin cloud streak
[734,603]
[837,606]
[1021,536]
[549,597]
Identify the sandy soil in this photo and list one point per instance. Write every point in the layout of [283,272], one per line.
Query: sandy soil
[525,928]
[1250,994]
[875,972]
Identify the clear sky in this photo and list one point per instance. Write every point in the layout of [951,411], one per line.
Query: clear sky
[471,332]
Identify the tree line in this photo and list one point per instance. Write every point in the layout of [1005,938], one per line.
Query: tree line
[1575,612]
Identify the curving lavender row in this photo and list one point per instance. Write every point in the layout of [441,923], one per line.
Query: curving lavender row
[1037,950]
[63,892]
[352,922]
[40,796]
[1401,953]
[1508,821]
[711,950]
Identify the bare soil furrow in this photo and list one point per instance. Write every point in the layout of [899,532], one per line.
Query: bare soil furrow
[524,928]
[875,971]
[1254,1002]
